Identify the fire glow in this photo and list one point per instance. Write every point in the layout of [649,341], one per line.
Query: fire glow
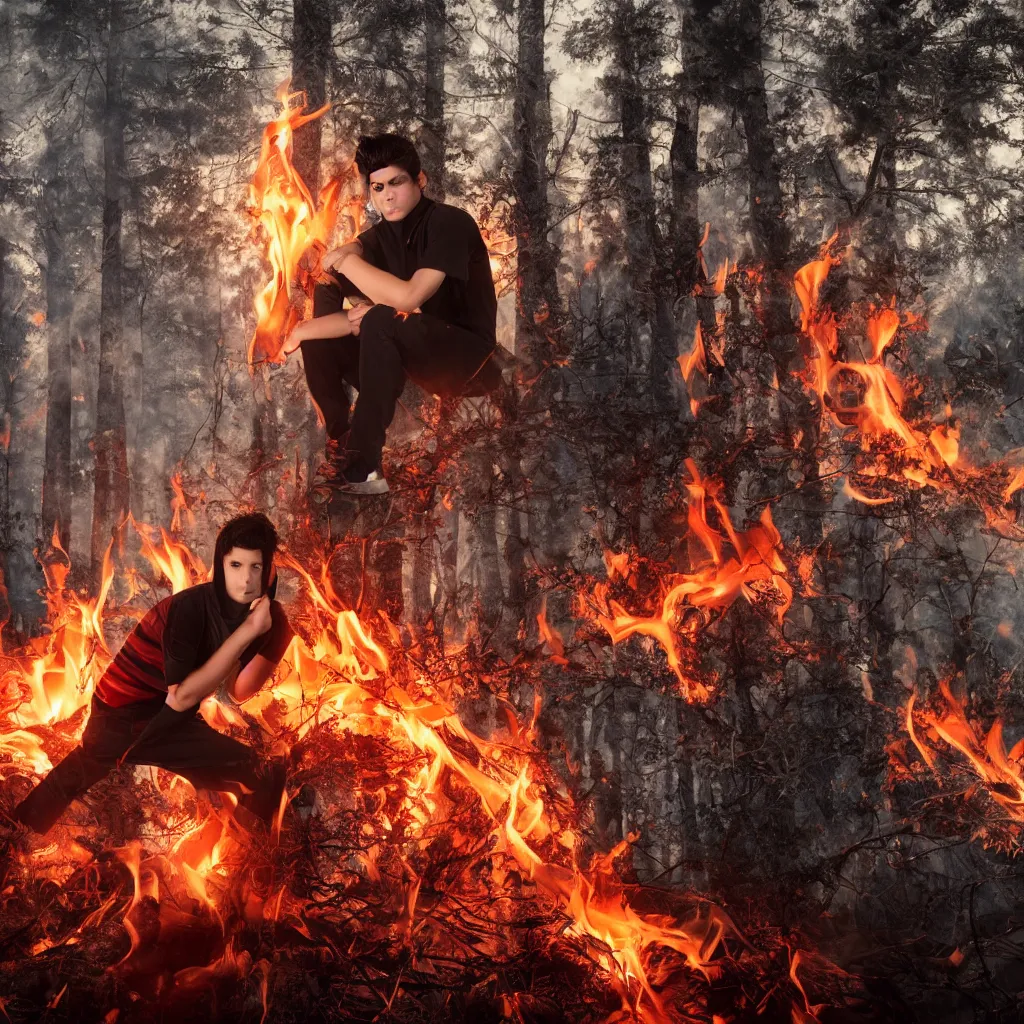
[958,752]
[345,680]
[287,225]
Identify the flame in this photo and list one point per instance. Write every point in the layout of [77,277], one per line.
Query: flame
[551,636]
[808,1014]
[346,680]
[876,414]
[998,772]
[287,222]
[693,363]
[58,671]
[756,561]
[179,504]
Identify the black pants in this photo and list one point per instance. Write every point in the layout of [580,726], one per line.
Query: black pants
[192,749]
[441,358]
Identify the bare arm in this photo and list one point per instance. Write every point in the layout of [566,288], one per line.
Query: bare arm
[251,679]
[387,290]
[204,680]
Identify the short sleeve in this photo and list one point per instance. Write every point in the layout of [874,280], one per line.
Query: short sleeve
[451,234]
[182,638]
[276,640]
[372,252]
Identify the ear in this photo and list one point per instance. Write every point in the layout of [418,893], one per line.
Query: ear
[422,181]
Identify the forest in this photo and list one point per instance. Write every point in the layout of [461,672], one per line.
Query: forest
[676,680]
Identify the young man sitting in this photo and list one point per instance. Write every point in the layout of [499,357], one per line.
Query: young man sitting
[146,706]
[424,306]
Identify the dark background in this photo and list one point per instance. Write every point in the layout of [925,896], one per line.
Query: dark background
[594,141]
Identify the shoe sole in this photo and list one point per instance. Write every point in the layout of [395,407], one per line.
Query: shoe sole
[365,487]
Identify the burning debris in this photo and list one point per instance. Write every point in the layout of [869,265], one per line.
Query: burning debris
[973,767]
[408,839]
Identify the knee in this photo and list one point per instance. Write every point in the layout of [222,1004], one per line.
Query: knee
[327,298]
[378,321]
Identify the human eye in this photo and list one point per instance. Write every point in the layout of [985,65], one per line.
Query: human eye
[377,187]
[234,565]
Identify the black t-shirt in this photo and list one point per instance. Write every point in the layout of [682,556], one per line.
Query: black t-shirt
[439,237]
[177,636]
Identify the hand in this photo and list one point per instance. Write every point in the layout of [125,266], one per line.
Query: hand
[356,314]
[258,620]
[334,259]
[296,336]
[172,699]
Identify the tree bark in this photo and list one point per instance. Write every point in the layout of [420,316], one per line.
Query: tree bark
[538,304]
[7,348]
[57,288]
[112,485]
[311,54]
[434,136]
[769,230]
[643,242]
[420,528]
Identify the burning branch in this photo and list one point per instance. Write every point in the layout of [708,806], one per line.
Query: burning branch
[981,759]
[754,565]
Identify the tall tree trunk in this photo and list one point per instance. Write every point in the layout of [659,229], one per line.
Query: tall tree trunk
[538,304]
[57,288]
[434,136]
[688,270]
[643,243]
[767,211]
[112,486]
[311,54]
[7,350]
[420,521]
[539,308]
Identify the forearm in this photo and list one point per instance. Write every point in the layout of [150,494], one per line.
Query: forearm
[333,325]
[204,680]
[378,285]
[251,679]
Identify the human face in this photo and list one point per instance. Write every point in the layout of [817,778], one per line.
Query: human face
[243,574]
[394,192]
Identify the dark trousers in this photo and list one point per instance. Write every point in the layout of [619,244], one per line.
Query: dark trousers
[192,749]
[441,358]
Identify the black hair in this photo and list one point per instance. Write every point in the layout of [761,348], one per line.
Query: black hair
[253,532]
[375,152]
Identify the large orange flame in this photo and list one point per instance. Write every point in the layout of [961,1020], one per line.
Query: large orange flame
[877,413]
[347,681]
[286,222]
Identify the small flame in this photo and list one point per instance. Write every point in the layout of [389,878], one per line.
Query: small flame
[985,757]
[756,562]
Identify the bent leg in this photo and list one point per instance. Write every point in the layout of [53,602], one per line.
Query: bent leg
[69,779]
[108,734]
[439,356]
[211,760]
[330,363]
[381,379]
